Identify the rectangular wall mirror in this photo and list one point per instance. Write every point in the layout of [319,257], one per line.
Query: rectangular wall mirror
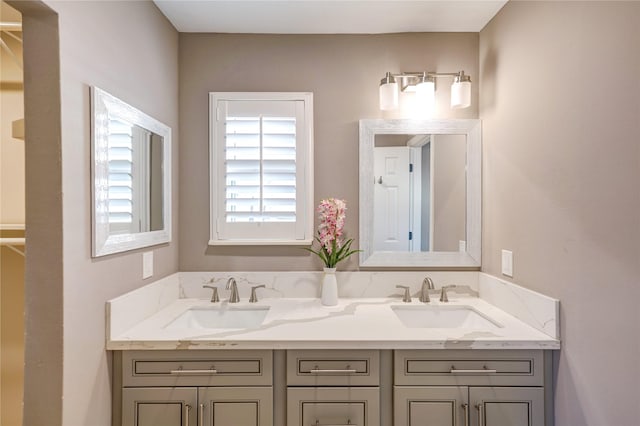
[131,174]
[420,193]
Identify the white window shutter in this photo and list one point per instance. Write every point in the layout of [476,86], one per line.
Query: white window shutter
[260,170]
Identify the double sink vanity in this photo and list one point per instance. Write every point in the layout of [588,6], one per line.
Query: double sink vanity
[482,358]
[269,353]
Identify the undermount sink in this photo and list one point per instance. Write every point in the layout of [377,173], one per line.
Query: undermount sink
[220,317]
[428,316]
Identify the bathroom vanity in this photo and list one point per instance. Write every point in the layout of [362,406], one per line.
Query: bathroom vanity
[370,361]
[333,387]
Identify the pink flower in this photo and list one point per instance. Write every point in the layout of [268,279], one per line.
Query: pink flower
[332,216]
[333,249]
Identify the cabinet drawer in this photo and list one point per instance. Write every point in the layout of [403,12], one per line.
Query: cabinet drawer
[333,406]
[437,367]
[197,368]
[333,368]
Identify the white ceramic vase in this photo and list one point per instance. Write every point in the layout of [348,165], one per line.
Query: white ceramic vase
[329,295]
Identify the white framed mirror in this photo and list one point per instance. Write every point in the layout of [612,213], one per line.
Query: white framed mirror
[131,175]
[420,193]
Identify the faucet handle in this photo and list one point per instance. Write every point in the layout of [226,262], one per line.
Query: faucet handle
[407,296]
[254,297]
[214,295]
[443,293]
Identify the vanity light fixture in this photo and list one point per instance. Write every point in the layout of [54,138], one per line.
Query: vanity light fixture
[423,84]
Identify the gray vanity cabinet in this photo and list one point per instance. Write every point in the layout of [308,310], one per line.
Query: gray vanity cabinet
[235,406]
[333,387]
[507,406]
[333,406]
[214,406]
[435,405]
[462,405]
[194,388]
[159,406]
[476,388]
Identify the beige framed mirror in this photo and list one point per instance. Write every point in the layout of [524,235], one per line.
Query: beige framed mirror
[420,193]
[131,175]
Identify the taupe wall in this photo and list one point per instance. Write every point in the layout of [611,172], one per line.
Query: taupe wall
[560,104]
[130,50]
[343,72]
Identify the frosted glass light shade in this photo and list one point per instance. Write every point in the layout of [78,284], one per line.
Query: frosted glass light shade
[426,96]
[461,94]
[388,96]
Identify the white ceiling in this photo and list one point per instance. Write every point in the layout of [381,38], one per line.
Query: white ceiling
[329,16]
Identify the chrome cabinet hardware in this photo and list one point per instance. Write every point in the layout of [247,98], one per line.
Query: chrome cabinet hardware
[187,409]
[443,293]
[181,371]
[200,416]
[214,295]
[479,407]
[465,407]
[348,423]
[347,370]
[407,296]
[483,370]
[254,297]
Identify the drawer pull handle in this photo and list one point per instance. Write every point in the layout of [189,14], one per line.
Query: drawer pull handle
[348,423]
[201,415]
[465,407]
[187,409]
[480,414]
[180,371]
[484,370]
[344,371]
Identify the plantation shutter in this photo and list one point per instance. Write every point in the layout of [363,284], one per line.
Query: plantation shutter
[128,177]
[120,198]
[260,178]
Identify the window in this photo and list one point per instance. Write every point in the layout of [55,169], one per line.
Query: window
[261,168]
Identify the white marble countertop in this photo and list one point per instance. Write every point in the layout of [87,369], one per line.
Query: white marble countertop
[355,323]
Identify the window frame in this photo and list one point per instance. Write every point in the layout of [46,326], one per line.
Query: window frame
[304,172]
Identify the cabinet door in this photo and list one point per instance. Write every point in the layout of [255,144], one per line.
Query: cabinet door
[159,406]
[435,406]
[333,406]
[236,406]
[507,406]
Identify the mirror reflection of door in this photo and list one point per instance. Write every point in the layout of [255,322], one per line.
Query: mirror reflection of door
[391,198]
[419,193]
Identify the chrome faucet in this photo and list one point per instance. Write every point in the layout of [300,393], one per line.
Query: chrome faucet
[427,284]
[407,296]
[443,293]
[233,286]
